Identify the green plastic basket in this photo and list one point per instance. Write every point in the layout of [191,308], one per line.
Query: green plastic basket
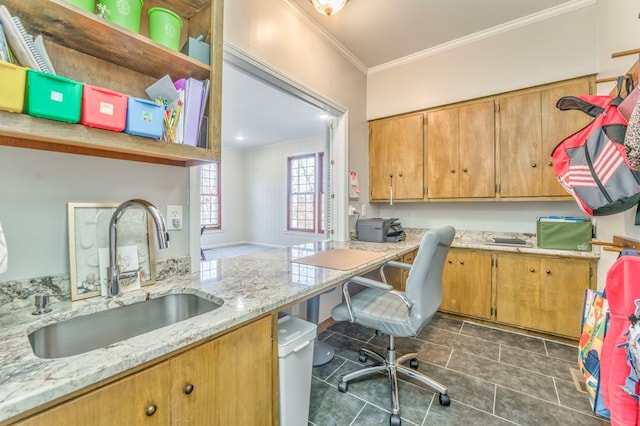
[125,13]
[164,27]
[88,5]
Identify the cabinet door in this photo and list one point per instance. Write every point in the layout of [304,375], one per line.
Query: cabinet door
[557,125]
[520,145]
[139,399]
[466,282]
[228,380]
[442,154]
[407,155]
[461,152]
[542,293]
[396,158]
[562,289]
[476,147]
[380,134]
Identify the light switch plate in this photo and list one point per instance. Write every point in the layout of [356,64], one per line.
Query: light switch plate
[174,218]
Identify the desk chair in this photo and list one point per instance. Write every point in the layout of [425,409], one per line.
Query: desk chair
[399,314]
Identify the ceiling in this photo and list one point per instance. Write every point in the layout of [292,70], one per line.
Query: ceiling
[372,33]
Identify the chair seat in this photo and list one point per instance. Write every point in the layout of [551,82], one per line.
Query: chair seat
[377,309]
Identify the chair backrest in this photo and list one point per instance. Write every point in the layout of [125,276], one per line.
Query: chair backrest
[424,284]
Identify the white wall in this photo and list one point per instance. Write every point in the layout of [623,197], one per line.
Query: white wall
[618,29]
[254,194]
[35,187]
[234,213]
[538,52]
[266,190]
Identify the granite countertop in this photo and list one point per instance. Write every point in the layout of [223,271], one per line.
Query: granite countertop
[249,286]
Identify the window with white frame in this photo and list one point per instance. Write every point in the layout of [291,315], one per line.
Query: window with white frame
[305,193]
[210,196]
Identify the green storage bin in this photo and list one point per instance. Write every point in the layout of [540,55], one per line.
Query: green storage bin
[53,97]
[565,235]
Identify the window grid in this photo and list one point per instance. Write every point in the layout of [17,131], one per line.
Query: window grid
[210,196]
[302,194]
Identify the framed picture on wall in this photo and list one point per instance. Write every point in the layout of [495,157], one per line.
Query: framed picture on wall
[89,248]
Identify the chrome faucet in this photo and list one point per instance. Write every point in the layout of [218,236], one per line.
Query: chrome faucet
[113,271]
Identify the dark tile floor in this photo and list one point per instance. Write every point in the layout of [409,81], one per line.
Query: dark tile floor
[494,377]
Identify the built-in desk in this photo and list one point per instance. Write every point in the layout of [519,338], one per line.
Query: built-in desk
[251,286]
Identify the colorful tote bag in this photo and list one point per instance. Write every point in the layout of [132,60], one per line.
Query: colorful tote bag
[594,327]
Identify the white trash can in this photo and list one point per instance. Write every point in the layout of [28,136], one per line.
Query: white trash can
[295,360]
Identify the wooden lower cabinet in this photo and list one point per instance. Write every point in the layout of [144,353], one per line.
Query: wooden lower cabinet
[229,380]
[398,277]
[542,293]
[529,291]
[466,282]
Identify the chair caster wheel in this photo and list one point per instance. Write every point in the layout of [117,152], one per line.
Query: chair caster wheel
[362,357]
[444,400]
[413,363]
[394,420]
[343,386]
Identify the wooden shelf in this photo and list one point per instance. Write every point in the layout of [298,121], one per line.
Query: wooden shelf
[92,50]
[21,130]
[72,27]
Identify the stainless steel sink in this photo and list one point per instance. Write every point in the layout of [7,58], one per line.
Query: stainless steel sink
[87,332]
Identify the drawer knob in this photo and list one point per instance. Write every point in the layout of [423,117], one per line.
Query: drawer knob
[462,262]
[532,269]
[453,171]
[548,271]
[450,261]
[151,410]
[465,170]
[188,389]
[534,165]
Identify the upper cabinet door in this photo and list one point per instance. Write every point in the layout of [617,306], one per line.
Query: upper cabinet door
[520,145]
[443,154]
[461,151]
[396,158]
[557,125]
[477,148]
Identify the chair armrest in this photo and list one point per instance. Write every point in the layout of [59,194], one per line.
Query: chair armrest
[394,264]
[367,282]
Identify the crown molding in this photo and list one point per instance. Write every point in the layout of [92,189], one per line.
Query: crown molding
[491,32]
[320,31]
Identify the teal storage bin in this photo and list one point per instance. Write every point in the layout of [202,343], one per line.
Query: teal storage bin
[53,97]
[144,118]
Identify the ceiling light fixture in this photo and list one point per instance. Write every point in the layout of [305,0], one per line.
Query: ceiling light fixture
[328,7]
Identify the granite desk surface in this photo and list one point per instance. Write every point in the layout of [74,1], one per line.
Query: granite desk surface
[249,285]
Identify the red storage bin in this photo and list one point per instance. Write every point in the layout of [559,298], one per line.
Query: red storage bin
[103,108]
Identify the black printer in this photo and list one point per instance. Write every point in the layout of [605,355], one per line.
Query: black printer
[378,230]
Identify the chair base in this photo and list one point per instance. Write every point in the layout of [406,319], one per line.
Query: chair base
[392,366]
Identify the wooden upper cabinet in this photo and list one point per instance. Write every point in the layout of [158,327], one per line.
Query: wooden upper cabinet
[520,145]
[396,158]
[92,50]
[461,151]
[557,125]
[530,127]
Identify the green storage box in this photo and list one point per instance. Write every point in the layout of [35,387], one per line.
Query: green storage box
[53,97]
[564,235]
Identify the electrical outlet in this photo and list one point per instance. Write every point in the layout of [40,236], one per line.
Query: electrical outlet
[174,218]
[363,212]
